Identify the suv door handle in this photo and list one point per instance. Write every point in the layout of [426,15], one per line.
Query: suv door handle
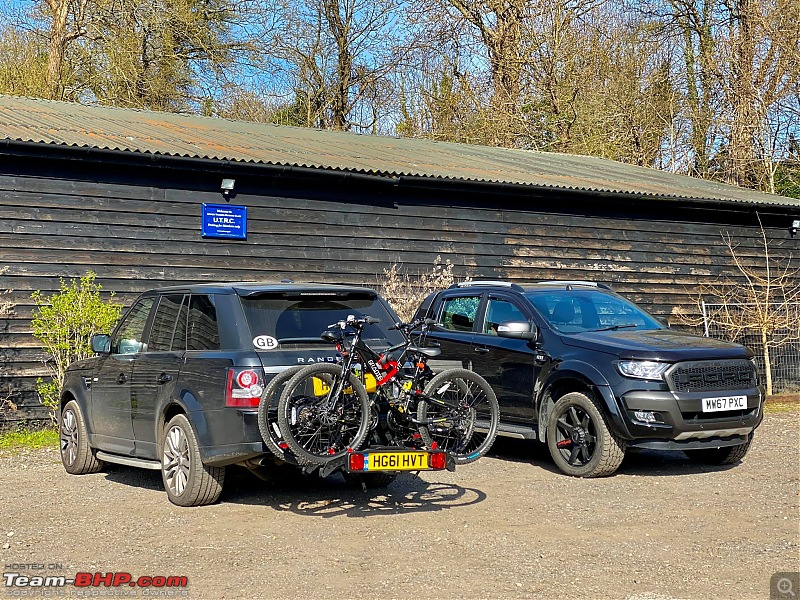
[122,378]
[433,344]
[481,350]
[164,378]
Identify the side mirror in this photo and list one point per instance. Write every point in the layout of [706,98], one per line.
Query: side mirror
[520,330]
[101,343]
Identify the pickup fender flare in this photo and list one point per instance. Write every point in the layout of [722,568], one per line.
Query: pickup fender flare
[590,377]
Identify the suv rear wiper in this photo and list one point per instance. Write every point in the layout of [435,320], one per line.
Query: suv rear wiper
[615,327]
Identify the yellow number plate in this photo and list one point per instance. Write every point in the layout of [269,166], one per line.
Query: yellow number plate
[321,388]
[396,461]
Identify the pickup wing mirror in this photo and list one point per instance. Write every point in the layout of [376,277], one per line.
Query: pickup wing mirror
[520,330]
[101,343]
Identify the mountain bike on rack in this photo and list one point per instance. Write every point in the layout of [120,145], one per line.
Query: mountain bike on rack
[385,398]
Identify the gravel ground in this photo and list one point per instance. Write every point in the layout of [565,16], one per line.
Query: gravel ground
[508,526]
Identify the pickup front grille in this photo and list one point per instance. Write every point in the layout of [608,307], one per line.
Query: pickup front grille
[712,375]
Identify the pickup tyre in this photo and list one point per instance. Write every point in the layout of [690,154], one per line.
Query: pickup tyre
[579,439]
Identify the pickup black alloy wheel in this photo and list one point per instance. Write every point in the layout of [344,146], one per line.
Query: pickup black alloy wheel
[187,480]
[76,455]
[579,439]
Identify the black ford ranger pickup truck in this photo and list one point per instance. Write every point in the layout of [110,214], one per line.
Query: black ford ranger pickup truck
[588,372]
[176,386]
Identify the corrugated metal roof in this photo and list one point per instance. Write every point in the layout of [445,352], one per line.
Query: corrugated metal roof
[127,130]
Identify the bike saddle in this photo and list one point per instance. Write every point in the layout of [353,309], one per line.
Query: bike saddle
[330,336]
[429,352]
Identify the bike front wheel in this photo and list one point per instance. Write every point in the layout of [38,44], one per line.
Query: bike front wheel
[320,416]
[460,413]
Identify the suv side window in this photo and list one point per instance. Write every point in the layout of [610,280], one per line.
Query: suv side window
[498,311]
[203,331]
[128,338]
[458,314]
[164,324]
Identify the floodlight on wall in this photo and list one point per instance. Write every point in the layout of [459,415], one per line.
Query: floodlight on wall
[794,228]
[226,187]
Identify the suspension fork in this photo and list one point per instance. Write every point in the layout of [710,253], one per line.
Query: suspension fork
[347,364]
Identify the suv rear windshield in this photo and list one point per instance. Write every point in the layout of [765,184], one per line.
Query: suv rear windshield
[302,318]
[578,311]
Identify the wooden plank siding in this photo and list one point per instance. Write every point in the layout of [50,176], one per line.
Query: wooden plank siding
[140,228]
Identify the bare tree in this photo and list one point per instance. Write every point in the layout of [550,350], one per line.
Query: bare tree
[760,70]
[499,24]
[67,23]
[764,298]
[405,292]
[23,63]
[334,61]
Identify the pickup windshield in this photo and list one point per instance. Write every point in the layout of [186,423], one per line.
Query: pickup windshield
[293,319]
[579,311]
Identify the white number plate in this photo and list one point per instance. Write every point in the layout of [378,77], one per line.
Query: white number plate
[724,403]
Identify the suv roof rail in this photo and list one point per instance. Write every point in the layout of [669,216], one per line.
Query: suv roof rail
[570,283]
[507,284]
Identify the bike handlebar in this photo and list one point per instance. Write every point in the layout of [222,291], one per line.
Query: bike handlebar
[352,321]
[407,327]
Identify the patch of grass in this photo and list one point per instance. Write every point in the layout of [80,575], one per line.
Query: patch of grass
[782,403]
[29,439]
[781,407]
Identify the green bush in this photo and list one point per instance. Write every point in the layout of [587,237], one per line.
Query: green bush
[64,323]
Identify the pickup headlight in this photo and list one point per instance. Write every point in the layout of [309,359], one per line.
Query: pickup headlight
[642,369]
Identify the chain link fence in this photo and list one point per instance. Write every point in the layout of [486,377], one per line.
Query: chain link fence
[784,358]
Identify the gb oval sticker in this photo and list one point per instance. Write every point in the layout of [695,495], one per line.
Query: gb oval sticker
[265,342]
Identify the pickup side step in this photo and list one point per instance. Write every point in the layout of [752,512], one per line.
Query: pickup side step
[523,432]
[129,461]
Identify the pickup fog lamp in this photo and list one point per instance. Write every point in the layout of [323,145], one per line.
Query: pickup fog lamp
[645,416]
[642,369]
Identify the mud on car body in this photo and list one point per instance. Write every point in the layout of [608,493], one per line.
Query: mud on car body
[176,386]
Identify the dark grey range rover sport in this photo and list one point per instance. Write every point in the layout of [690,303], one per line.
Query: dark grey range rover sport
[176,385]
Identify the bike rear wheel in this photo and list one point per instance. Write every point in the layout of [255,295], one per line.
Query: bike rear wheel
[317,424]
[268,415]
[464,413]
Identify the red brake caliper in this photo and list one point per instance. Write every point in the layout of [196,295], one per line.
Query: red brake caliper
[564,444]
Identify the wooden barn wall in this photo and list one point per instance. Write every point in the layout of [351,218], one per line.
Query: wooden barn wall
[139,228]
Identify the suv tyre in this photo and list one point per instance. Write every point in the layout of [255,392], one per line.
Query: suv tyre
[76,455]
[187,480]
[579,439]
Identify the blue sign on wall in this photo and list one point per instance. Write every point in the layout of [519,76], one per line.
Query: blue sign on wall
[224,221]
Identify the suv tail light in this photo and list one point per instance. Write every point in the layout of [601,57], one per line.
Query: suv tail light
[245,386]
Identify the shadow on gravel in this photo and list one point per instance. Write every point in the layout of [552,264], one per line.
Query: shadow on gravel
[287,489]
[332,497]
[652,463]
[641,463]
[133,477]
